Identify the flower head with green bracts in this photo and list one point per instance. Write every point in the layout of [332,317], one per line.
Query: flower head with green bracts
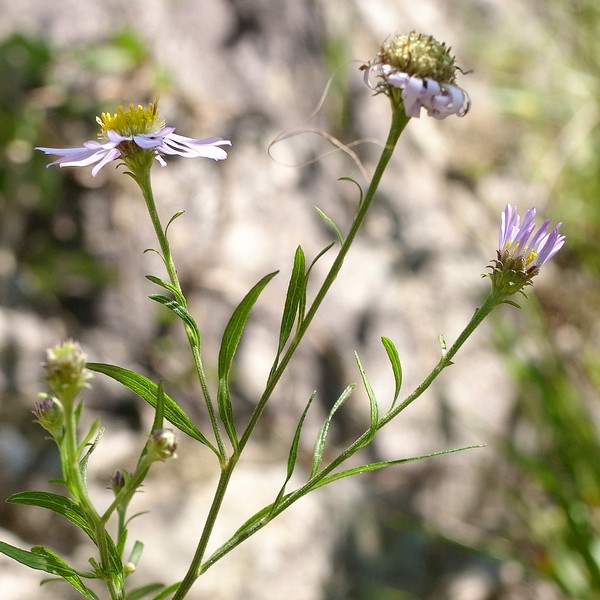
[419,72]
[135,135]
[521,252]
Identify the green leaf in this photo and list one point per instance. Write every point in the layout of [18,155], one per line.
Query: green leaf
[148,391]
[181,311]
[293,455]
[42,559]
[374,420]
[360,190]
[168,286]
[322,436]
[386,463]
[394,357]
[84,461]
[143,591]
[175,216]
[295,293]
[56,503]
[332,224]
[159,414]
[229,344]
[136,552]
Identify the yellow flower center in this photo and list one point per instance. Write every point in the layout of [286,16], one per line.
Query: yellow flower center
[527,255]
[138,119]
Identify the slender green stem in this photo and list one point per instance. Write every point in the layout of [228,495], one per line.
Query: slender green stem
[194,570]
[112,576]
[399,122]
[492,300]
[143,180]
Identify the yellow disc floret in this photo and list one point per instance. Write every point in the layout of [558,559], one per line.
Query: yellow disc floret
[137,120]
[419,55]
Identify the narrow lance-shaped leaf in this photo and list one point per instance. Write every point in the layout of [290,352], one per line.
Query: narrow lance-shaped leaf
[42,559]
[332,224]
[302,306]
[159,413]
[229,344]
[146,590]
[148,391]
[56,503]
[394,357]
[295,292]
[386,463]
[374,412]
[322,436]
[181,311]
[168,286]
[293,455]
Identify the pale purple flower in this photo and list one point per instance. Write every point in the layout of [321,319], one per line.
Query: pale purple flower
[163,142]
[520,241]
[440,100]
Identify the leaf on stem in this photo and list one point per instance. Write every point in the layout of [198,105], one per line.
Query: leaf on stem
[159,413]
[322,436]
[175,216]
[293,455]
[56,503]
[360,191]
[148,391]
[394,357]
[146,590]
[387,463]
[229,344]
[181,311]
[374,412]
[295,298]
[86,457]
[42,559]
[331,223]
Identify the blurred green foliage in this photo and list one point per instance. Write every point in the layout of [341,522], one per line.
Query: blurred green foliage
[553,451]
[45,260]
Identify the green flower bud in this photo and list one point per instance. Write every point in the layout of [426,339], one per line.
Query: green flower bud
[49,414]
[66,374]
[162,444]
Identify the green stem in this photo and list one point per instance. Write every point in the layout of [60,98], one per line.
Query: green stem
[111,573]
[194,570]
[143,180]
[399,122]
[492,300]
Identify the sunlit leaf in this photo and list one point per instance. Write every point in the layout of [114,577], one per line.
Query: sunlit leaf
[322,436]
[394,357]
[295,293]
[148,391]
[331,223]
[293,455]
[386,463]
[374,409]
[43,559]
[56,503]
[229,344]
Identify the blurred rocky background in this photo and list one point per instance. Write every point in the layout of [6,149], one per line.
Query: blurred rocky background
[515,520]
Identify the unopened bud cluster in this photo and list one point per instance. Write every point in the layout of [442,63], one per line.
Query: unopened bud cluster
[161,445]
[66,374]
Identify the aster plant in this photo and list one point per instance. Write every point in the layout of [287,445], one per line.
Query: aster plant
[416,72]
